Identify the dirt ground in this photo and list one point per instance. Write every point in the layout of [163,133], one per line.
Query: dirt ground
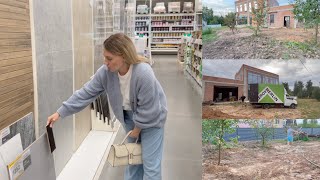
[230,111]
[268,45]
[251,161]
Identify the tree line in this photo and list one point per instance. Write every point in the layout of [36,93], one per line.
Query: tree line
[302,90]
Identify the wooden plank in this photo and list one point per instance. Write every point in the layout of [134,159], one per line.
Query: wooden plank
[13,49]
[15,73]
[16,67]
[16,93]
[17,10]
[14,29]
[14,23]
[10,35]
[13,116]
[10,15]
[15,42]
[14,3]
[14,61]
[4,56]
[16,79]
[16,85]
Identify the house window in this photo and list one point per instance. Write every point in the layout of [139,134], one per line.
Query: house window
[255,5]
[245,7]
[250,7]
[240,8]
[271,18]
[237,9]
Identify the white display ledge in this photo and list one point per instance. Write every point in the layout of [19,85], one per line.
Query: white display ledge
[88,161]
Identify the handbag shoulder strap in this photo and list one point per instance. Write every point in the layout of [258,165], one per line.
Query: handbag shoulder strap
[127,137]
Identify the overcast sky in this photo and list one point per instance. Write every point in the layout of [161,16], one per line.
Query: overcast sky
[222,6]
[288,70]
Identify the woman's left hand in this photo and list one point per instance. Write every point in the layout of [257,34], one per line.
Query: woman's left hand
[135,133]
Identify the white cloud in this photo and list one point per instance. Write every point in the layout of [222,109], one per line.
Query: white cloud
[220,7]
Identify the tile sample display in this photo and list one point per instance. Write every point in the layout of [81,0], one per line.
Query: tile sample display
[25,126]
[40,165]
[11,149]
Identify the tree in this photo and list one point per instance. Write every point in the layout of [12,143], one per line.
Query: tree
[263,129]
[207,14]
[309,12]
[286,86]
[259,13]
[316,93]
[214,130]
[298,89]
[309,88]
[230,21]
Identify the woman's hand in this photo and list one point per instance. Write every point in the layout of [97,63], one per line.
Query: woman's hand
[53,118]
[135,133]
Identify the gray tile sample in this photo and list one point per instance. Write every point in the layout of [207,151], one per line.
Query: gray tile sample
[11,149]
[54,61]
[26,127]
[42,164]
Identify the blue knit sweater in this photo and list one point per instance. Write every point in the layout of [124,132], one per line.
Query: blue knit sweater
[148,101]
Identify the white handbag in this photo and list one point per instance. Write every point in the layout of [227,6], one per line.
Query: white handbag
[125,154]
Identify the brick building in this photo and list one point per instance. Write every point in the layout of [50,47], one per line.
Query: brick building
[277,16]
[224,89]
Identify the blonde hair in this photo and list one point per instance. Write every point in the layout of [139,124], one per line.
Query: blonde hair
[121,45]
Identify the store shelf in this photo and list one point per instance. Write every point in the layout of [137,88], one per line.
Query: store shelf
[172,20]
[178,37]
[171,31]
[175,26]
[173,14]
[142,15]
[198,54]
[165,43]
[164,49]
[142,20]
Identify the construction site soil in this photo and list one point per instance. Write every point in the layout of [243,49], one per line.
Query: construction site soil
[270,44]
[251,161]
[248,112]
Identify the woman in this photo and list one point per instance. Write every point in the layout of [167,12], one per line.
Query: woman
[137,100]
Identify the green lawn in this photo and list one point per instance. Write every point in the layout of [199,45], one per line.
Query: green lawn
[310,108]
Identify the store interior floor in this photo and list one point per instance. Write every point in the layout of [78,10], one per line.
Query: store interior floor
[182,140]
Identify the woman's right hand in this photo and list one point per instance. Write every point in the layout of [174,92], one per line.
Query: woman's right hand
[53,118]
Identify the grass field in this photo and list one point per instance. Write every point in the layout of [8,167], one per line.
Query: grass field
[309,108]
[210,34]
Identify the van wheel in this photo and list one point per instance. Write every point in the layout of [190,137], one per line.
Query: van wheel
[266,106]
[292,106]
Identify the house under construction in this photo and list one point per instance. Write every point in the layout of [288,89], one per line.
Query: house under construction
[276,16]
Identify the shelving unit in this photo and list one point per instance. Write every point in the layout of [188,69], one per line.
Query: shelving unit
[190,52]
[160,27]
